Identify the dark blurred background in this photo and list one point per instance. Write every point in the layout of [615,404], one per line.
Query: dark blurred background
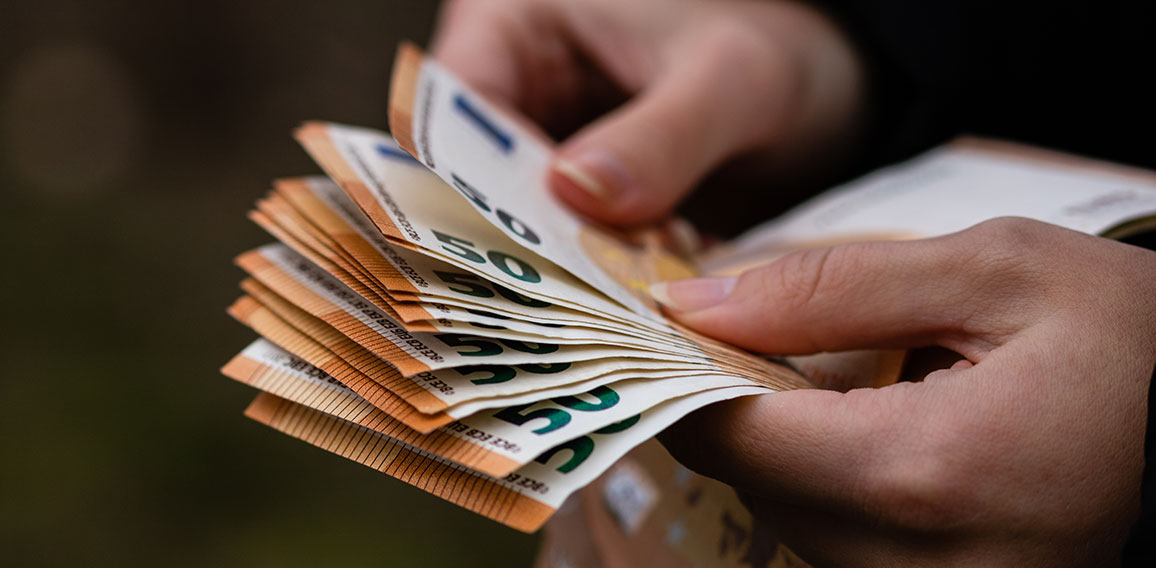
[133,137]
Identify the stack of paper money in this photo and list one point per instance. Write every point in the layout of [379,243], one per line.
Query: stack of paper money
[432,312]
[444,320]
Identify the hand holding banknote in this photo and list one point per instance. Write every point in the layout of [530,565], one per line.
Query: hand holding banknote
[434,312]
[1028,451]
[704,81]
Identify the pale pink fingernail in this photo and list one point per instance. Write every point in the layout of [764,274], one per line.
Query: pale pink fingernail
[596,172]
[693,294]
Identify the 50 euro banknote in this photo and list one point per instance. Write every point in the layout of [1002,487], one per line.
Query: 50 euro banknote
[433,312]
[510,418]
[452,462]
[481,343]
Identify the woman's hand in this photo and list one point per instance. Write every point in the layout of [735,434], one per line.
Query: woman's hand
[702,81]
[1028,451]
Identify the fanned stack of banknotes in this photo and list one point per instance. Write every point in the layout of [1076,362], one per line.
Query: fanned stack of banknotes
[431,311]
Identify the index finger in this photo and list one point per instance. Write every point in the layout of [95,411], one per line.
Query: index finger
[480,44]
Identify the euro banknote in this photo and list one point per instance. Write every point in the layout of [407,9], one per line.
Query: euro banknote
[400,326]
[432,311]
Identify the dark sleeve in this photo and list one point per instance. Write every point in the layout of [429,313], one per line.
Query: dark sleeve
[1140,551]
[1070,75]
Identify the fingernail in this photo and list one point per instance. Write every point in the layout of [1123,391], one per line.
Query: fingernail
[596,172]
[693,294]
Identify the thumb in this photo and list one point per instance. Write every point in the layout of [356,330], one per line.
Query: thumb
[636,163]
[954,291]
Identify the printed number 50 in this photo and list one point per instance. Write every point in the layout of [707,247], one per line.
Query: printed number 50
[511,265]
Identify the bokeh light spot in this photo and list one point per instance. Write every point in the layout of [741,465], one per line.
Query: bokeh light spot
[70,121]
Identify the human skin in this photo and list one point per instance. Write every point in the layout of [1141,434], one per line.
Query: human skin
[700,82]
[1028,451]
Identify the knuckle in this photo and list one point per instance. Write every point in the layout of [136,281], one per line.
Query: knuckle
[995,245]
[727,36]
[803,275]
[763,62]
[737,51]
[764,75]
[802,279]
[1004,260]
[927,486]
[1007,237]
[916,493]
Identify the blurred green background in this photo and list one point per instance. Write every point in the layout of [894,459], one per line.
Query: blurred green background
[133,137]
